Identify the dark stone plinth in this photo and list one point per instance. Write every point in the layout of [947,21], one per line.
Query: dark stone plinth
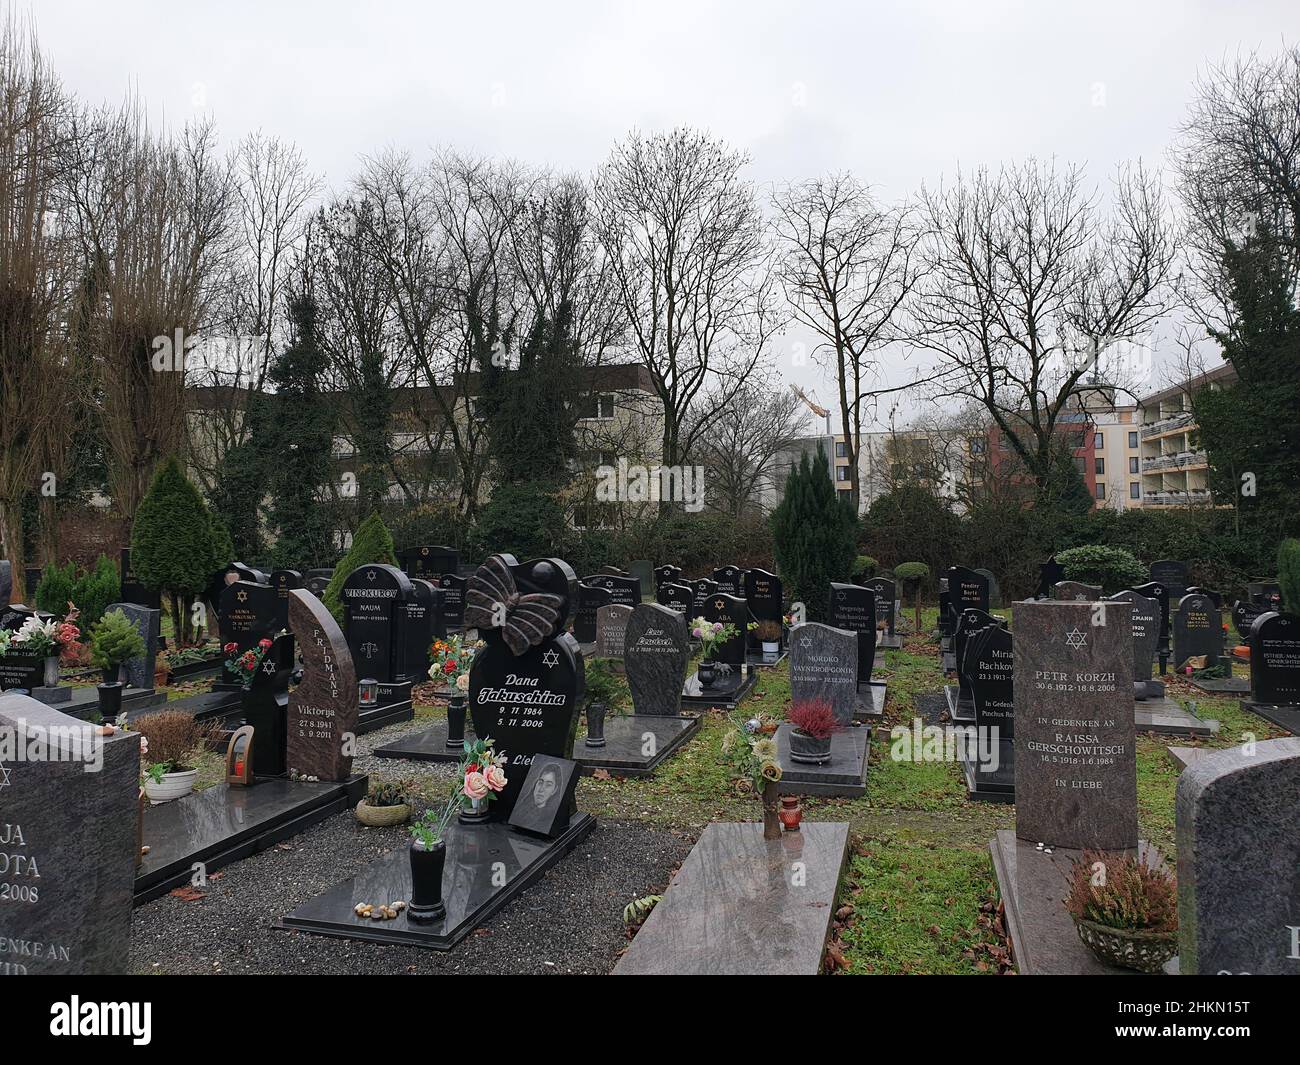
[1167,718]
[393,706]
[84,702]
[1182,757]
[205,706]
[1221,685]
[990,785]
[885,640]
[959,710]
[477,855]
[1033,884]
[733,907]
[845,774]
[1284,717]
[427,746]
[628,739]
[871,701]
[224,824]
[55,696]
[726,692]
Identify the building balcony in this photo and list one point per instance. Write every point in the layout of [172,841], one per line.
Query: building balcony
[1169,424]
[1181,461]
[1193,497]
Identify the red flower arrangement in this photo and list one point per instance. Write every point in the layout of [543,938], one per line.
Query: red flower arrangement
[245,665]
[815,717]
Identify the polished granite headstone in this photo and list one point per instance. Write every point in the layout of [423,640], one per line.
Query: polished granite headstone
[644,571]
[21,669]
[487,866]
[886,593]
[734,611]
[611,629]
[1244,614]
[995,592]
[374,600]
[675,596]
[701,589]
[130,590]
[322,709]
[419,620]
[221,824]
[637,744]
[68,842]
[248,612]
[147,622]
[656,652]
[590,600]
[1076,769]
[1076,592]
[526,684]
[961,705]
[730,579]
[967,590]
[317,580]
[1275,670]
[765,597]
[451,604]
[853,607]
[667,575]
[1238,833]
[737,907]
[622,589]
[1050,573]
[284,581]
[1197,630]
[429,561]
[1173,575]
[1144,622]
[824,666]
[544,806]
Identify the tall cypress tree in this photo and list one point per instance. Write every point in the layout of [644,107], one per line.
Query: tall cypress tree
[303,435]
[814,533]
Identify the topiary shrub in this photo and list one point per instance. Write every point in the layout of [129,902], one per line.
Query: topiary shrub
[115,640]
[913,575]
[814,535]
[370,543]
[1288,575]
[55,588]
[96,589]
[1113,568]
[864,568]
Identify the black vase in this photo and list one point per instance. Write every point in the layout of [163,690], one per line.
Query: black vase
[426,882]
[112,674]
[707,672]
[596,724]
[456,722]
[110,701]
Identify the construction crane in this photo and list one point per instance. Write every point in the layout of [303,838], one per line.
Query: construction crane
[816,408]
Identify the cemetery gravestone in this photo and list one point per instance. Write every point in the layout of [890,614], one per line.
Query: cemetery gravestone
[730,610]
[1144,623]
[988,759]
[284,581]
[644,571]
[1157,591]
[764,594]
[1076,769]
[1197,630]
[675,596]
[419,622]
[1050,574]
[590,600]
[429,562]
[961,705]
[622,589]
[995,592]
[1075,592]
[248,613]
[547,796]
[667,575]
[317,580]
[823,666]
[139,671]
[1173,575]
[1275,660]
[730,579]
[527,682]
[322,709]
[656,652]
[886,593]
[130,589]
[1238,855]
[452,602]
[1244,614]
[374,604]
[967,590]
[701,589]
[853,607]
[611,629]
[68,843]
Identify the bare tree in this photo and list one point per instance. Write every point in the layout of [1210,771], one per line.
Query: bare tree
[847,268]
[687,258]
[36,375]
[1028,288]
[1238,159]
[741,452]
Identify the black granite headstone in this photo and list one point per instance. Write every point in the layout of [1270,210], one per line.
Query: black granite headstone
[1144,623]
[667,575]
[611,629]
[676,596]
[374,606]
[730,610]
[1275,660]
[765,595]
[967,590]
[625,591]
[656,652]
[701,589]
[421,619]
[429,562]
[130,588]
[139,671]
[853,607]
[452,602]
[886,593]
[284,581]
[731,580]
[590,600]
[988,667]
[1197,630]
[1050,573]
[248,613]
[1173,575]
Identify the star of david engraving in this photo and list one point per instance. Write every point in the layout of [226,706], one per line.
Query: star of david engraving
[370,575]
[4,777]
[550,658]
[1076,639]
[241,595]
[806,642]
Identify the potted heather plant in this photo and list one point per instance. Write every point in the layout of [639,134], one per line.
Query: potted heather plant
[814,725]
[386,804]
[428,856]
[173,737]
[1124,910]
[769,635]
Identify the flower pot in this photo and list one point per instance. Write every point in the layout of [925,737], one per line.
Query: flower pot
[173,786]
[381,816]
[475,811]
[456,708]
[771,649]
[112,674]
[110,701]
[707,672]
[791,813]
[52,671]
[596,725]
[809,749]
[1138,949]
[426,882]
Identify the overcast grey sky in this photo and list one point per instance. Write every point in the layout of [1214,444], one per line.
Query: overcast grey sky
[898,93]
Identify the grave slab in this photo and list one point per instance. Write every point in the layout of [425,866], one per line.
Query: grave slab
[475,855]
[845,774]
[1221,685]
[1032,884]
[1284,717]
[727,691]
[427,746]
[990,785]
[84,702]
[755,660]
[1165,717]
[627,738]
[222,824]
[1182,757]
[731,909]
[959,711]
[871,701]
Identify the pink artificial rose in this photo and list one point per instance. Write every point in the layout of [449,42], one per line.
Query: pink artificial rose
[476,786]
[495,777]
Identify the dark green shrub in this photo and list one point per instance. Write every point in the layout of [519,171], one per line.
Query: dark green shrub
[864,568]
[429,523]
[55,588]
[813,531]
[370,543]
[604,686]
[1113,568]
[525,520]
[1288,575]
[96,589]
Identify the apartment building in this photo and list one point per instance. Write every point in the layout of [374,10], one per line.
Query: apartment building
[1174,470]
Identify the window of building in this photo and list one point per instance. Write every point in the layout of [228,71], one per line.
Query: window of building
[1132,465]
[841,473]
[1132,440]
[1101,466]
[1097,440]
[977,446]
[841,449]
[597,406]
[845,493]
[1135,490]
[1101,489]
